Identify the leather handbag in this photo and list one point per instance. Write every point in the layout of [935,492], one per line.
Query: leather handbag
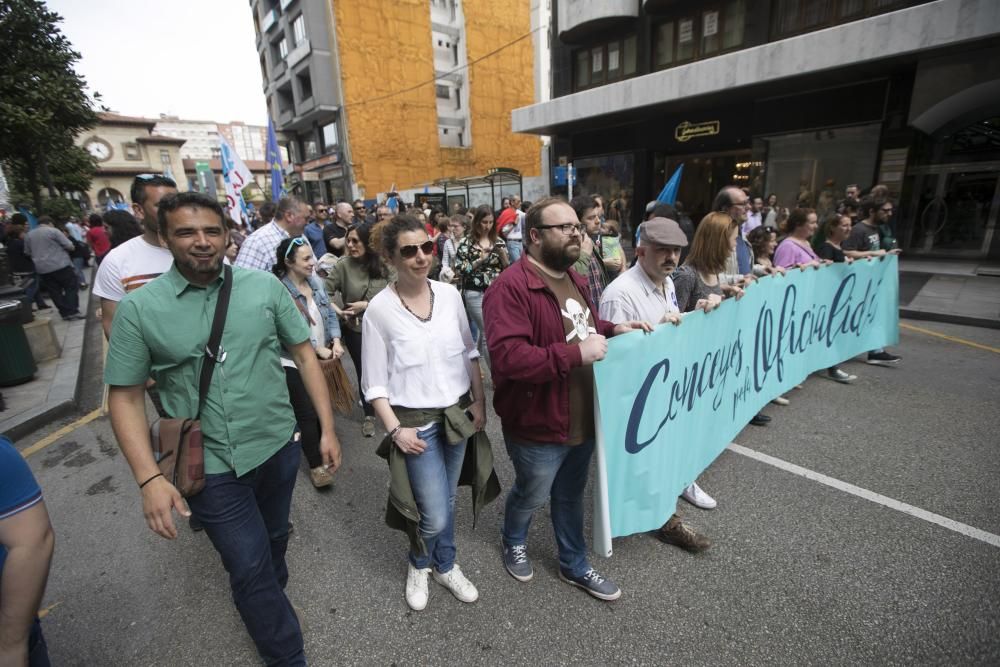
[177,442]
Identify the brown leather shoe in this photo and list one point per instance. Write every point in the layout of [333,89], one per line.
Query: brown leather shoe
[682,535]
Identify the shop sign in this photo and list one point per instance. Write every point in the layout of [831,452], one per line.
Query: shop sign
[711,22]
[686,131]
[310,176]
[686,29]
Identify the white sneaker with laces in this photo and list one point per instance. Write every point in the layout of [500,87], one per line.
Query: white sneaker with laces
[456,582]
[695,495]
[416,587]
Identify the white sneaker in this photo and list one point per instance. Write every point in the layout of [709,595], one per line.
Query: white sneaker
[697,497]
[416,587]
[456,582]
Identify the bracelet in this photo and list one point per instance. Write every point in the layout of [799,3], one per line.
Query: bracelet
[159,474]
[393,432]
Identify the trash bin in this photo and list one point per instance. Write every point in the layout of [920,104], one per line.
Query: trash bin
[16,363]
[13,292]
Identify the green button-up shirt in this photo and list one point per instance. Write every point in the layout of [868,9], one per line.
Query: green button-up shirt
[161,332]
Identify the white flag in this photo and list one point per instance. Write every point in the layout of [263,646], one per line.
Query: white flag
[236,176]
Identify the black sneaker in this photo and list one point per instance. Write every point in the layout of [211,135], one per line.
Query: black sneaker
[593,583]
[882,358]
[516,560]
[760,419]
[195,525]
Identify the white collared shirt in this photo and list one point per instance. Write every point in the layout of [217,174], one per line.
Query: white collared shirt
[633,296]
[416,364]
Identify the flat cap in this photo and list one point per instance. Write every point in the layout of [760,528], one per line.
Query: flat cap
[662,231]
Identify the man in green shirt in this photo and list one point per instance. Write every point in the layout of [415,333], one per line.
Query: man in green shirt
[251,446]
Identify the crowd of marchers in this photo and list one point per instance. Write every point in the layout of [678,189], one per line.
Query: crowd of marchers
[430,307]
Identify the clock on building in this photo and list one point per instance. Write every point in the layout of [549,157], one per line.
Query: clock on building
[98,148]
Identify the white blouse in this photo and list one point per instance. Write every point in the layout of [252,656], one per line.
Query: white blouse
[416,364]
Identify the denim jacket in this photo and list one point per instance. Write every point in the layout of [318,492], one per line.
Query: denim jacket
[330,323]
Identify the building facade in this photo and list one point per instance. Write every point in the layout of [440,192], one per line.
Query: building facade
[799,98]
[371,96]
[124,147]
[201,138]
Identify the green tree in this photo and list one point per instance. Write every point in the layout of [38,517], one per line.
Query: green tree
[43,103]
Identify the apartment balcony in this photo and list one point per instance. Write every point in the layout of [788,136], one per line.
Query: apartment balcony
[300,51]
[580,18]
[278,71]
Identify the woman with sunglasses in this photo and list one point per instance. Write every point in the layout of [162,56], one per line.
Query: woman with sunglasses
[480,258]
[294,266]
[420,364]
[358,277]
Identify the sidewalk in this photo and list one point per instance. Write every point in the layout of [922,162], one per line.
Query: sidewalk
[959,292]
[53,392]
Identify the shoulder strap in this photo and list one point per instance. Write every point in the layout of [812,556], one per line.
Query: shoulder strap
[214,352]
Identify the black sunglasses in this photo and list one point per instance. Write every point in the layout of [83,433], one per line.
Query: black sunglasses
[410,251]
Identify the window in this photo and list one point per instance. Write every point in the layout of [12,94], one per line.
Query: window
[299,29]
[442,92]
[330,140]
[712,31]
[663,50]
[305,85]
[164,156]
[605,63]
[732,25]
[216,153]
[283,49]
[796,16]
[310,147]
[132,151]
[458,97]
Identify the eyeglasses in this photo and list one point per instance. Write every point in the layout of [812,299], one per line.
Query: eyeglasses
[359,208]
[410,251]
[740,203]
[149,177]
[296,242]
[567,228]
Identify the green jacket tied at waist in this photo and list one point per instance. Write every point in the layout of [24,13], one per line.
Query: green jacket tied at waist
[477,470]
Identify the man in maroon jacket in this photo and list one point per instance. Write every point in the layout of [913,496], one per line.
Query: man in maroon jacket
[546,334]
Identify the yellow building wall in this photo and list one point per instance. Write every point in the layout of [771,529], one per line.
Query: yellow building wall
[386,47]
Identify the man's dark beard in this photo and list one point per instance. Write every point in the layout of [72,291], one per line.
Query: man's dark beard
[560,259]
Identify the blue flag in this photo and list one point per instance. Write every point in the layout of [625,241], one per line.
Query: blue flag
[274,163]
[669,193]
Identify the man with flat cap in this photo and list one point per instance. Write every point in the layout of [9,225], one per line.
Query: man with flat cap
[646,292]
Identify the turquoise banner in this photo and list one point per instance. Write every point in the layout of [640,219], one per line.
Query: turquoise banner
[669,402]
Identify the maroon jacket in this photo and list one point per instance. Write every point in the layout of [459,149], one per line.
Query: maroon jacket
[529,356]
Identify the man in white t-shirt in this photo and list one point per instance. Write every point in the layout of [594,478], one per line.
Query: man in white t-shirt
[141,259]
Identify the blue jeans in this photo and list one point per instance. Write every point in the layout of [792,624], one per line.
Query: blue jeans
[246,518]
[514,249]
[38,650]
[544,472]
[78,264]
[434,480]
[474,309]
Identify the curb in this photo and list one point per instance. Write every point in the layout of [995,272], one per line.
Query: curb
[65,389]
[948,318]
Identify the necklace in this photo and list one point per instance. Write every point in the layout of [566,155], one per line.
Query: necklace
[410,311]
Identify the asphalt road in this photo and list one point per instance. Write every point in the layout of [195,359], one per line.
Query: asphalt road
[800,572]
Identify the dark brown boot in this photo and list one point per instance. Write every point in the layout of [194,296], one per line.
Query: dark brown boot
[682,535]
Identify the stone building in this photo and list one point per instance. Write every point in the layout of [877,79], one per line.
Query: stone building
[799,98]
[370,94]
[124,147]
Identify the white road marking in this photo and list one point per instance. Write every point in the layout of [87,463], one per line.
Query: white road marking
[877,498]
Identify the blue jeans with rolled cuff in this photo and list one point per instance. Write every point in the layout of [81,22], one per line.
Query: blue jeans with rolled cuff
[434,477]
